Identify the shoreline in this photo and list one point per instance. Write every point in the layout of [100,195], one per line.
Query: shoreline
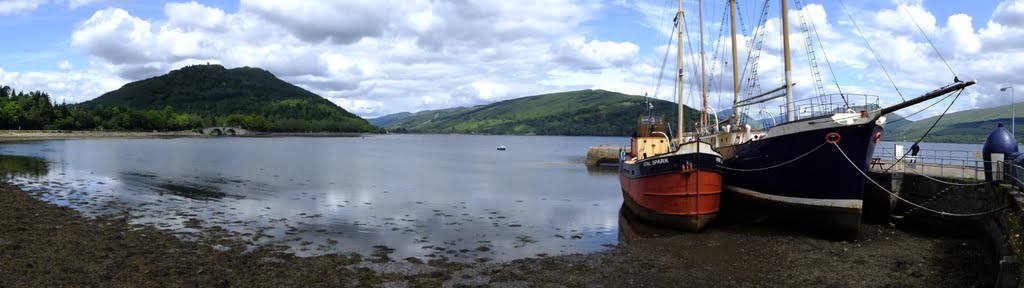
[15,135]
[26,135]
[43,244]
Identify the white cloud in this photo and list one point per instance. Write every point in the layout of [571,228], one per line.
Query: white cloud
[65,86]
[341,22]
[65,65]
[412,55]
[905,19]
[596,54]
[193,15]
[380,57]
[11,7]
[1009,13]
[75,4]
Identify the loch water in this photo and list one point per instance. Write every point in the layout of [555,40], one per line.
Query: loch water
[423,196]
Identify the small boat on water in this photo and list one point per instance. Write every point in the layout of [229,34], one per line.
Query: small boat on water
[502,148]
[670,184]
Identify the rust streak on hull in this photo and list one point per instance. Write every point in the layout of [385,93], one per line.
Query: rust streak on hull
[687,201]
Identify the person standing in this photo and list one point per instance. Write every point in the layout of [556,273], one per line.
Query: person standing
[913,152]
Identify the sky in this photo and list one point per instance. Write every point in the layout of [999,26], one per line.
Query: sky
[380,57]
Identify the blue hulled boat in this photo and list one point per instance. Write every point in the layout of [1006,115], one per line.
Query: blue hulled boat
[811,166]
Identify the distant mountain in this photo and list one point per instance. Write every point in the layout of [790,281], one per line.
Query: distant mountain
[894,121]
[725,114]
[251,93]
[968,126]
[586,112]
[388,119]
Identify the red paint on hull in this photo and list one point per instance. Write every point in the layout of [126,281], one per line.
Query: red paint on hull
[683,200]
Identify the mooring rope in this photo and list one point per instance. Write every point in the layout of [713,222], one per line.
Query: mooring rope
[912,203]
[774,166]
[948,183]
[938,180]
[926,132]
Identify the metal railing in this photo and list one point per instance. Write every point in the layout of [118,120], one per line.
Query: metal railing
[941,163]
[931,156]
[1013,173]
[826,105]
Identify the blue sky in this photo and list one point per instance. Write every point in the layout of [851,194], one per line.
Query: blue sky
[380,57]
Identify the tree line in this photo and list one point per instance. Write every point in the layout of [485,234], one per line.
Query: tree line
[35,110]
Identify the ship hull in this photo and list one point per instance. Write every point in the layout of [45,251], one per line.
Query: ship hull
[820,188]
[681,191]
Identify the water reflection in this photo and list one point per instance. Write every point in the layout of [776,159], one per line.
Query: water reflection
[424,196]
[22,166]
[603,171]
[633,229]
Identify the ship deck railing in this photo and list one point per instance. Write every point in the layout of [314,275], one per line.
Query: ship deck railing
[822,105]
[826,105]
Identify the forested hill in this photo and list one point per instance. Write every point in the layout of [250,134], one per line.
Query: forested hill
[586,112]
[968,126]
[388,119]
[250,96]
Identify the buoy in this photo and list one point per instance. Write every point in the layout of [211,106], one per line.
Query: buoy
[999,141]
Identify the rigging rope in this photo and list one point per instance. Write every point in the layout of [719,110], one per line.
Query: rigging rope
[929,128]
[774,166]
[908,201]
[835,80]
[751,82]
[922,110]
[872,50]
[926,37]
[664,60]
[714,60]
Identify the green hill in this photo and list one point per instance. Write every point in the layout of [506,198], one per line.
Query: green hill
[251,94]
[895,121]
[969,126]
[586,112]
[388,119]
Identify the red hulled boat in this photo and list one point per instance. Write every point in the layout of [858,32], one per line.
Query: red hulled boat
[671,184]
[678,187]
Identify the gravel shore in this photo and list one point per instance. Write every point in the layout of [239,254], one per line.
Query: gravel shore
[45,245]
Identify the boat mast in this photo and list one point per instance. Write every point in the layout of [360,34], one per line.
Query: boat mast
[785,52]
[703,81]
[679,65]
[735,66]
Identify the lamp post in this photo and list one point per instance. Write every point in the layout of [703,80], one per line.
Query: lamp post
[1013,114]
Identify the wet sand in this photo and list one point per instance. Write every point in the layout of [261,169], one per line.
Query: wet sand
[45,245]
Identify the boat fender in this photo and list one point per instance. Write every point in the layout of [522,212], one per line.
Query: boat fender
[833,137]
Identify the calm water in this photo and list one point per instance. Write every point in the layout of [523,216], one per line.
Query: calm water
[425,196]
